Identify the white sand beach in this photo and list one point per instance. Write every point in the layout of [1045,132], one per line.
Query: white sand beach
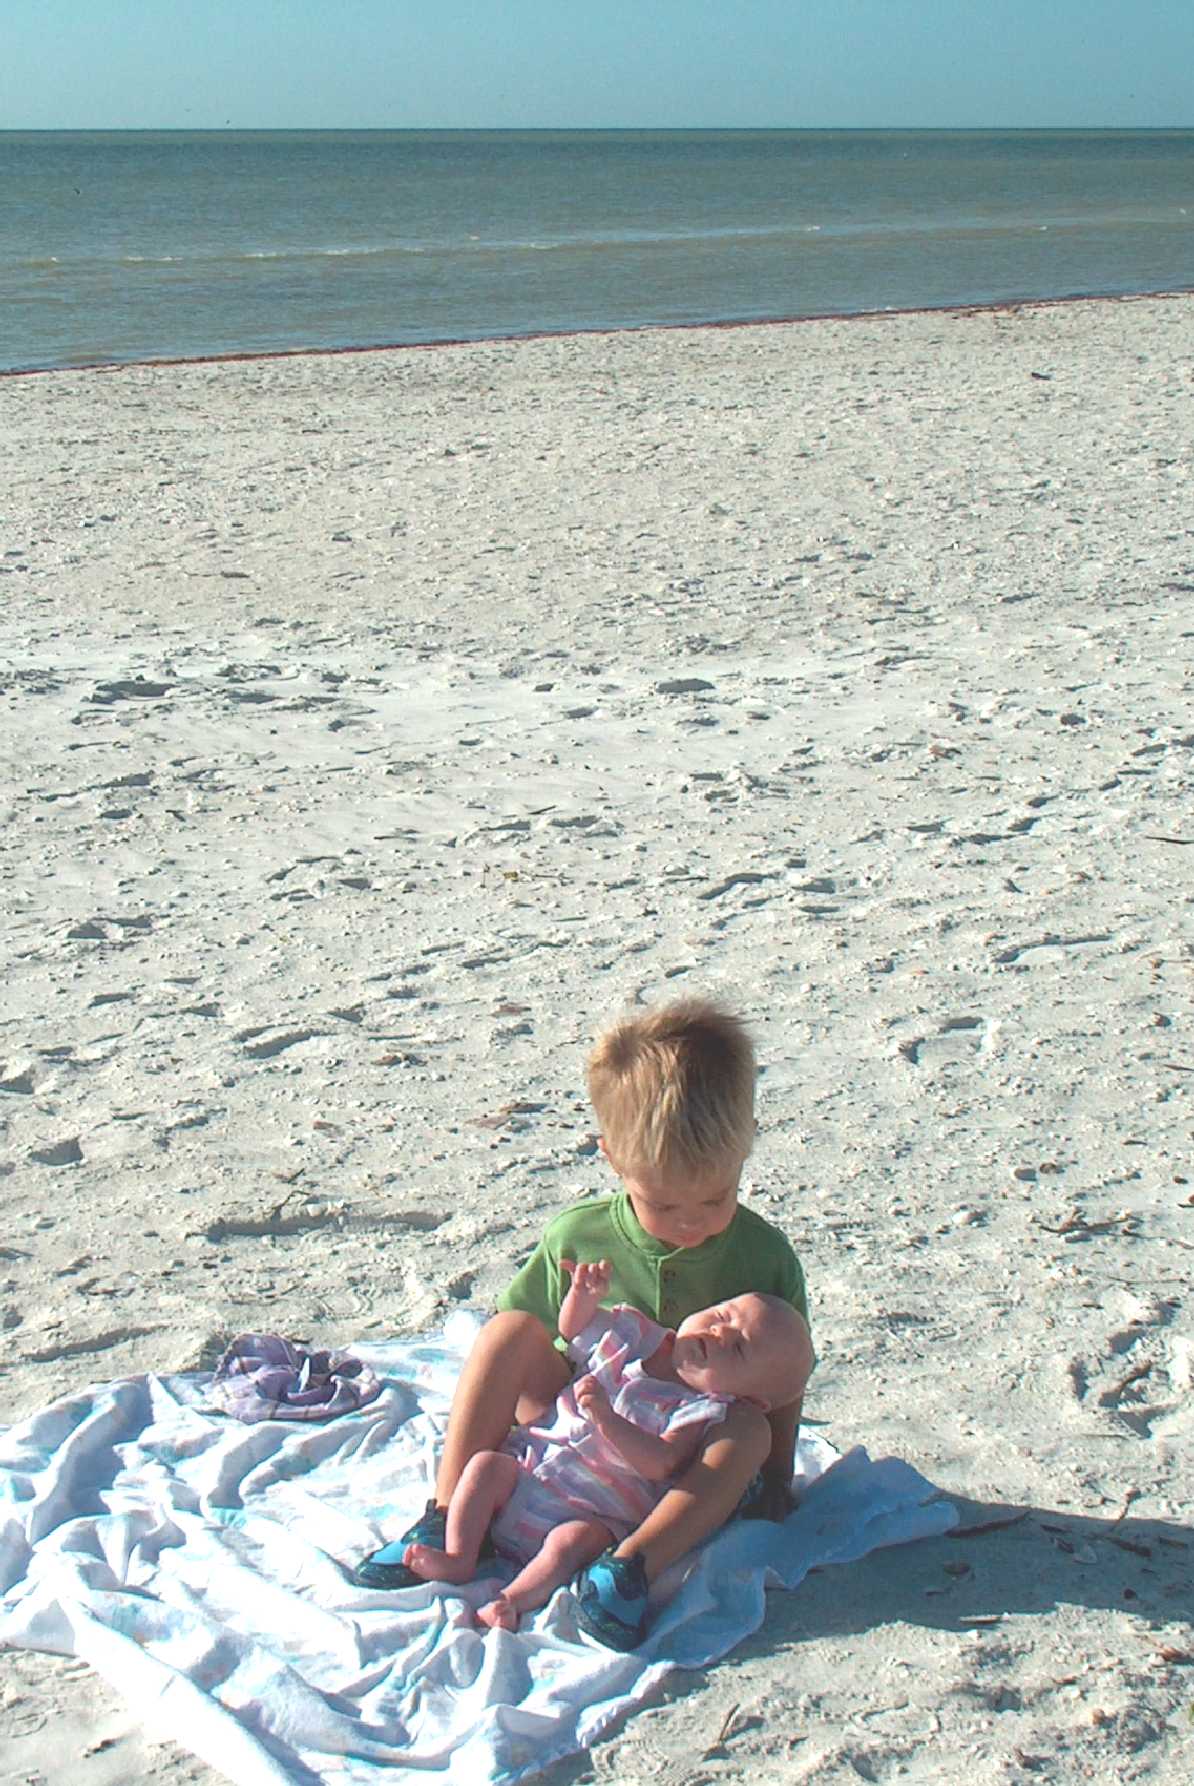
[375,726]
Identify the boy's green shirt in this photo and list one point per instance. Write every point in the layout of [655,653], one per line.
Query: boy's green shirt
[665,1282]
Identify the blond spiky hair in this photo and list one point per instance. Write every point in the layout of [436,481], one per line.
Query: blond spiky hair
[674,1089]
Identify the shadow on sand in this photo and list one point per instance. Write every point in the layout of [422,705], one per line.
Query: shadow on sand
[1000,1559]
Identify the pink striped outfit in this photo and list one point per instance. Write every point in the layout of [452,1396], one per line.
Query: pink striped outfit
[569,1470]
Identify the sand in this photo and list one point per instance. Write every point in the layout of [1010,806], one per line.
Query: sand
[377,725]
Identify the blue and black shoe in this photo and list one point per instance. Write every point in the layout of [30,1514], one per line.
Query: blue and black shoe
[386,1568]
[611,1601]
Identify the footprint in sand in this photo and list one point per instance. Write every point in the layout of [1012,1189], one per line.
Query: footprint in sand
[1144,1376]
[955,1039]
[66,1152]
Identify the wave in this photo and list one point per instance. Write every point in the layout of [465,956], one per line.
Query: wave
[607,242]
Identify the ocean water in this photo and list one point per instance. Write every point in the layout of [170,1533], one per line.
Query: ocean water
[125,246]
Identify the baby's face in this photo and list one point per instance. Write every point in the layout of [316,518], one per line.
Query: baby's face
[742,1347]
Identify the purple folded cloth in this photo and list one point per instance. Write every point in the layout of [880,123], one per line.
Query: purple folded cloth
[265,1377]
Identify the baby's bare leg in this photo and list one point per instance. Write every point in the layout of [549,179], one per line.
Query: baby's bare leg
[487,1484]
[565,1550]
[513,1371]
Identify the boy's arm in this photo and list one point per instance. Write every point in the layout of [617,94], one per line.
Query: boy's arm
[775,1498]
[653,1455]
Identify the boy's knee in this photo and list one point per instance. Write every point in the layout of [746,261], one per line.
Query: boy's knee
[515,1350]
[512,1331]
[482,1463]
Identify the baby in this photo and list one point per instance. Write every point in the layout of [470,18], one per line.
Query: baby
[565,1491]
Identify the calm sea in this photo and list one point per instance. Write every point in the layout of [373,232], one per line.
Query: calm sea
[118,246]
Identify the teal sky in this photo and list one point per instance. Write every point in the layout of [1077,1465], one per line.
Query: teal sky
[210,64]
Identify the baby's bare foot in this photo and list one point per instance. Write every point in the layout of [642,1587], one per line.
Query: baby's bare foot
[436,1565]
[499,1615]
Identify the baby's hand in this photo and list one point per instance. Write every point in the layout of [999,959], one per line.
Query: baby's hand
[590,1282]
[591,1276]
[592,1401]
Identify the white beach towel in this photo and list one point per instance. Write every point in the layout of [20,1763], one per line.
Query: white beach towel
[202,1568]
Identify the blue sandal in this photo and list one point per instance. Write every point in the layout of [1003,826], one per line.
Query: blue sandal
[611,1601]
[386,1568]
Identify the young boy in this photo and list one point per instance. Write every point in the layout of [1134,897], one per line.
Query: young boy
[673,1092]
[564,1491]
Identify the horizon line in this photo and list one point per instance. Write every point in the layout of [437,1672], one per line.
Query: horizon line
[556,129]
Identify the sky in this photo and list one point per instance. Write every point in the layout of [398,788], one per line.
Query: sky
[462,64]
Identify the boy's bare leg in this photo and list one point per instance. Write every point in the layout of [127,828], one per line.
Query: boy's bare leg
[706,1495]
[565,1550]
[486,1484]
[512,1373]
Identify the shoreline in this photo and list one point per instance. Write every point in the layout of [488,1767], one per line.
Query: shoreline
[995,306]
